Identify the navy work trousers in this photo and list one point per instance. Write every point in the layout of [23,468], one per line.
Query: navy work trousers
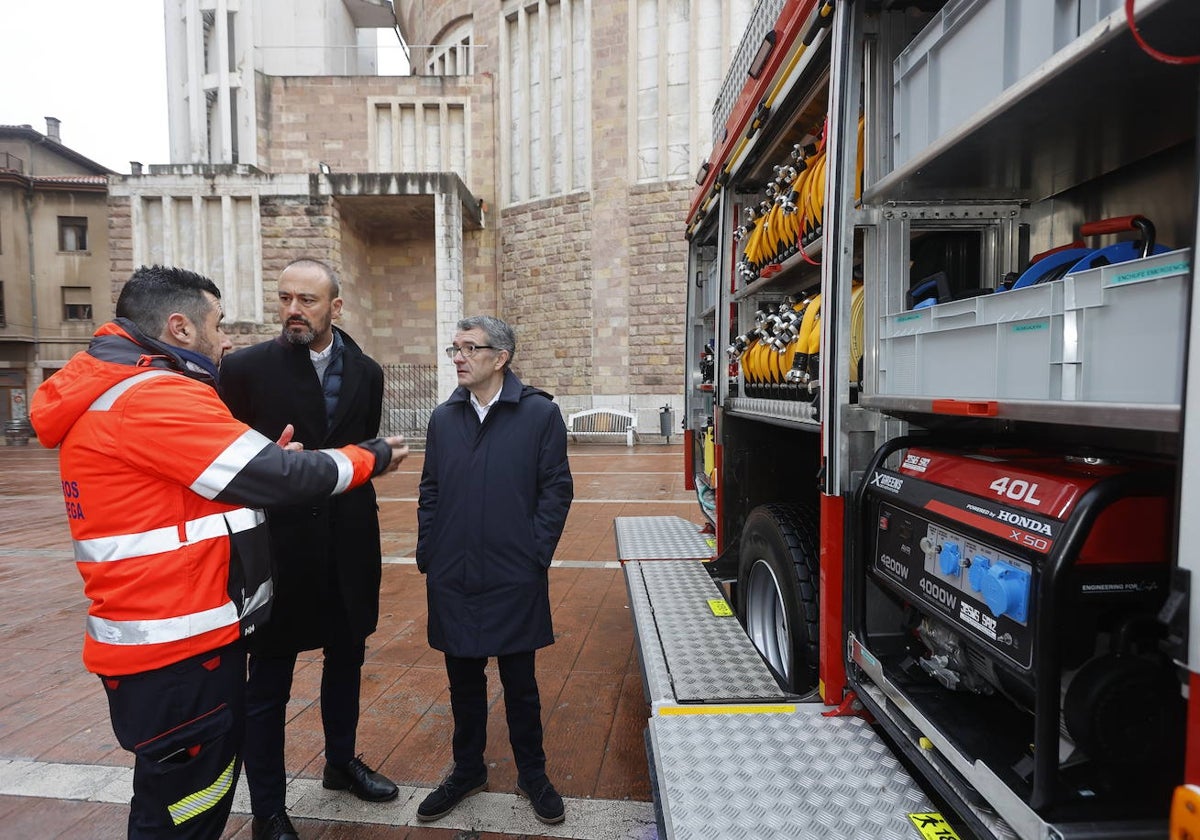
[184,724]
[267,694]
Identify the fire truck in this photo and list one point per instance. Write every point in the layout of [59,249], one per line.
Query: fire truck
[938,318]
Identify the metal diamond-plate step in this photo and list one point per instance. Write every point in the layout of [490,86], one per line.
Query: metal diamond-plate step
[660,538]
[770,776]
[655,677]
[708,658]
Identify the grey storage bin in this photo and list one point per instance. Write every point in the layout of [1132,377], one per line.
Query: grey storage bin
[1110,334]
[969,54]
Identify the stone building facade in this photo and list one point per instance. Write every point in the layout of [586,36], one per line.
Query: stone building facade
[536,164]
[54,258]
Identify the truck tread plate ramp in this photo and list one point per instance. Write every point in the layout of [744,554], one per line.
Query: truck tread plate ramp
[776,775]
[660,538]
[733,757]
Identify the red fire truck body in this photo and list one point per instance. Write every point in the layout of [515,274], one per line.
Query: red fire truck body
[938,323]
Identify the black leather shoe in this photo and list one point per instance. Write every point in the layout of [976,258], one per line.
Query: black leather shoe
[360,780]
[447,795]
[275,827]
[547,804]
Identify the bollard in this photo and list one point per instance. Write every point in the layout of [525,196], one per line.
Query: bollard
[17,432]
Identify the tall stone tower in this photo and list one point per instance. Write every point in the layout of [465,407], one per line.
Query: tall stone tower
[536,164]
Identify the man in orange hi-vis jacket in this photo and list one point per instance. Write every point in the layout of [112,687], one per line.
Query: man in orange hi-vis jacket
[163,489]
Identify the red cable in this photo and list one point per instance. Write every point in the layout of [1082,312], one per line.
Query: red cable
[1149,50]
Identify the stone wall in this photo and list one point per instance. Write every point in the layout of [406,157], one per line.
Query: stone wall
[326,119]
[546,291]
[658,285]
[399,276]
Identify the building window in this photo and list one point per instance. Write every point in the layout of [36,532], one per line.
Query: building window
[408,136]
[545,57]
[3,320]
[72,233]
[216,235]
[681,49]
[77,303]
[450,54]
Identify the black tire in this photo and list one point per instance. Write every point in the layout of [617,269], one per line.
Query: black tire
[778,583]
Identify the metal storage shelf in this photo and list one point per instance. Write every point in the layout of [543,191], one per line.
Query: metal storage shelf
[791,271]
[1151,418]
[1101,87]
[778,412]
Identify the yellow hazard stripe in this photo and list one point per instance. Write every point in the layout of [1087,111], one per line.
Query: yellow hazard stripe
[778,708]
[197,803]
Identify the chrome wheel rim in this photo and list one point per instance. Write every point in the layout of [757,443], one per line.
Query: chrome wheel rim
[766,618]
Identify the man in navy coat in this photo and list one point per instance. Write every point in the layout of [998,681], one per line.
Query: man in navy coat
[326,556]
[494,496]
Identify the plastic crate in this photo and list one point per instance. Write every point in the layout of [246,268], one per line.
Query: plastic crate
[1110,334]
[1124,329]
[971,52]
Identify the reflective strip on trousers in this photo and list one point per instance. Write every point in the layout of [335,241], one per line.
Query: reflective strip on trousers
[197,803]
[164,540]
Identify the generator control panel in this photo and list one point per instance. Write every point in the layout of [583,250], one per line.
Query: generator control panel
[967,538]
[980,588]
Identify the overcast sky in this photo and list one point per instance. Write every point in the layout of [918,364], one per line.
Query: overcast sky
[97,66]
[100,67]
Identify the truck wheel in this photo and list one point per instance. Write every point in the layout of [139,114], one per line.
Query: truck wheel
[778,575]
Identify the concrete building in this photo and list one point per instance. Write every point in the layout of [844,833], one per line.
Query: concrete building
[536,164]
[55,281]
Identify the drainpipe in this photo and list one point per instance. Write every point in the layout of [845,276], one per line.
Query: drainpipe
[31,369]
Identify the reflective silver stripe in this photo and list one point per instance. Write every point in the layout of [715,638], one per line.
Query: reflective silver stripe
[163,540]
[158,630]
[105,401]
[224,468]
[260,597]
[242,519]
[228,464]
[345,470]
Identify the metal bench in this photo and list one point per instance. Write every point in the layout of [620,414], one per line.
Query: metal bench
[603,423]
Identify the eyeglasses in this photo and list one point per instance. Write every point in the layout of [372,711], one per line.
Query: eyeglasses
[468,350]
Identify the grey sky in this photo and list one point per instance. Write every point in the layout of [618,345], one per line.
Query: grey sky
[99,67]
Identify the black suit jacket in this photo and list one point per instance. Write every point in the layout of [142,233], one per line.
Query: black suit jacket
[268,386]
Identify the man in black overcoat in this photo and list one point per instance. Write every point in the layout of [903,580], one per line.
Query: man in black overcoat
[495,491]
[326,556]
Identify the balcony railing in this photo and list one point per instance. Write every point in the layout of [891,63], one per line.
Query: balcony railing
[11,163]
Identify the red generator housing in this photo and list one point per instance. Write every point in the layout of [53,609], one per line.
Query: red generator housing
[1013,597]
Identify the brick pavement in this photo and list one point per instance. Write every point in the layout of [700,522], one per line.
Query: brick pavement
[62,773]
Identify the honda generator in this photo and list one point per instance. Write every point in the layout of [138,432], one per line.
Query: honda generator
[1017,595]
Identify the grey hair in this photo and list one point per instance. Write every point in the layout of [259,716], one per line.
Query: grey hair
[499,334]
[335,285]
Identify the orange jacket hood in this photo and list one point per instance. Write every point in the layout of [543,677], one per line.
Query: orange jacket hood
[117,351]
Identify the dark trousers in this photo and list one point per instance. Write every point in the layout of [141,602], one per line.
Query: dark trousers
[184,724]
[267,694]
[522,709]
